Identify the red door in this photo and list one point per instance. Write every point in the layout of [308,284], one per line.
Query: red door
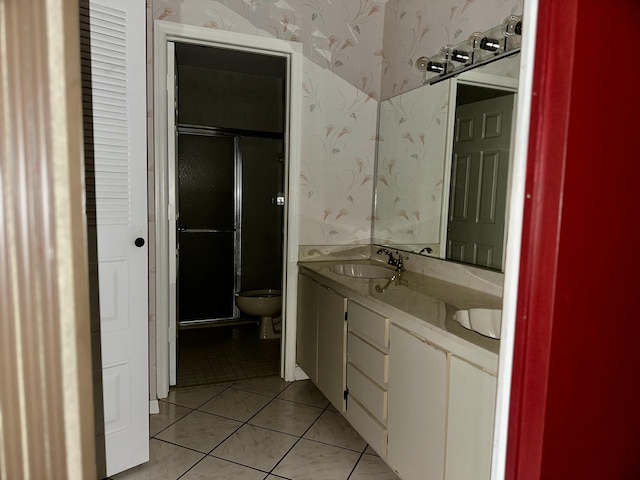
[574,408]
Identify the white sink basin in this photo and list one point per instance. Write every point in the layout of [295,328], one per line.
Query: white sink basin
[362,271]
[486,321]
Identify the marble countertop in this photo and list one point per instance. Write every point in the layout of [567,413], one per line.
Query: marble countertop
[425,299]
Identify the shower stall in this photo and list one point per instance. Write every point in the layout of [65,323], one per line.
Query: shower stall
[229,180]
[230,222]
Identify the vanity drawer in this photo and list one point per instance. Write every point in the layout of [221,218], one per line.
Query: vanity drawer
[368,427]
[370,360]
[369,324]
[368,393]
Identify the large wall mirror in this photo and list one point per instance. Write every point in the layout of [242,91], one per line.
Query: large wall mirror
[443,167]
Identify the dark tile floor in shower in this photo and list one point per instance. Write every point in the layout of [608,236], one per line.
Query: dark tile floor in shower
[224,354]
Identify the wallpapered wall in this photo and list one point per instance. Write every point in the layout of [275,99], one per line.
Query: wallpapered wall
[347,69]
[410,166]
[342,40]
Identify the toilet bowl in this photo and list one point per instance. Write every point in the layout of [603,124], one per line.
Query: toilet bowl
[265,303]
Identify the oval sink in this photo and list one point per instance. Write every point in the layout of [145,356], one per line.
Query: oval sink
[485,321]
[362,271]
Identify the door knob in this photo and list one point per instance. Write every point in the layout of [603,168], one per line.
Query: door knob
[139,242]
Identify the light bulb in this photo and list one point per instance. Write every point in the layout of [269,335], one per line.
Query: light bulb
[473,42]
[512,25]
[445,51]
[421,64]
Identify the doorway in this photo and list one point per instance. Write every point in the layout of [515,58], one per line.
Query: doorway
[167,329]
[228,171]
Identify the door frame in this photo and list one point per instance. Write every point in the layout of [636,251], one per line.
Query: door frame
[165,32]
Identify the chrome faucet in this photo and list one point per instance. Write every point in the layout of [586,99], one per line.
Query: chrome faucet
[396,262]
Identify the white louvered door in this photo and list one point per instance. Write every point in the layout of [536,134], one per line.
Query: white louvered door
[113,45]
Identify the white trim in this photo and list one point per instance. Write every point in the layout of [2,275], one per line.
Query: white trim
[488,80]
[154,407]
[300,375]
[168,31]
[514,232]
[171,208]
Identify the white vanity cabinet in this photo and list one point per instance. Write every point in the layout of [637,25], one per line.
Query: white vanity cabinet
[307,327]
[368,374]
[321,347]
[417,416]
[332,346]
[472,396]
[422,398]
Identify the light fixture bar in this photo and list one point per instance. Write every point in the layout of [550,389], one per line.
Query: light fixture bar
[458,71]
[478,50]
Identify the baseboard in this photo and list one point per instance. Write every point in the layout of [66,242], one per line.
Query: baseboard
[300,375]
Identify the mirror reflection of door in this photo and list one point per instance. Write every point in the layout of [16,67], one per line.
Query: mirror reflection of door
[479,176]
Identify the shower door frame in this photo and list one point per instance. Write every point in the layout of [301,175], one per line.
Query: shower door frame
[237,223]
[164,34]
[236,135]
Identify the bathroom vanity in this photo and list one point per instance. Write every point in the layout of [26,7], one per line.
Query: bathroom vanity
[414,383]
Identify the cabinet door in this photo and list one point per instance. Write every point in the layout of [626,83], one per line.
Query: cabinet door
[332,346]
[307,327]
[417,407]
[472,395]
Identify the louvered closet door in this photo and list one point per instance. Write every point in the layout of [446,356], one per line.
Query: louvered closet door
[113,51]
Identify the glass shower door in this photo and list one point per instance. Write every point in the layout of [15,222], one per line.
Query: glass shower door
[206,225]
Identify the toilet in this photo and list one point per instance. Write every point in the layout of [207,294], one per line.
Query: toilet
[264,303]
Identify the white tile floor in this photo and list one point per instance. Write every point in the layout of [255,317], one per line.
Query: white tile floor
[255,430]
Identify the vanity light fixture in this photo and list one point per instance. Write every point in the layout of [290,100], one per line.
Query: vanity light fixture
[437,64]
[460,56]
[437,67]
[490,44]
[479,49]
[426,65]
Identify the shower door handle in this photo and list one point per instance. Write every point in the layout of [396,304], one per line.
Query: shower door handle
[205,230]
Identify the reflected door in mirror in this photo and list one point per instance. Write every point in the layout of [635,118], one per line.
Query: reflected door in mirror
[479,177]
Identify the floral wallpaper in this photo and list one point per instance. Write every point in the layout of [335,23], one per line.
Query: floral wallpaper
[342,36]
[413,28]
[411,149]
[342,42]
[337,172]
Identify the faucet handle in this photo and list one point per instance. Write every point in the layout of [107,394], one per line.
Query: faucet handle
[400,260]
[392,260]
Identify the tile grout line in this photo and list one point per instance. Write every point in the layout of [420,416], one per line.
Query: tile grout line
[185,415]
[299,438]
[272,397]
[208,454]
[357,462]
